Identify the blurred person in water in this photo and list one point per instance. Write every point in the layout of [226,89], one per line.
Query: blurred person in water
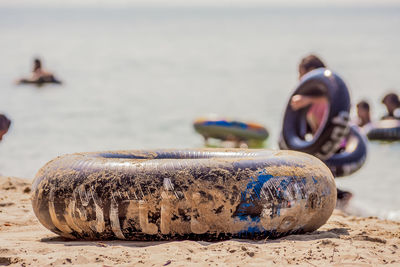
[4,125]
[319,104]
[316,113]
[363,114]
[39,75]
[392,103]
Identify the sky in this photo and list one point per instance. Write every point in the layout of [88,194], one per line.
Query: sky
[125,3]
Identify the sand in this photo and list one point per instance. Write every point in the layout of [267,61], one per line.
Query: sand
[344,241]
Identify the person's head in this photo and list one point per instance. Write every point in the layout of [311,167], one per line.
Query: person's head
[4,125]
[391,101]
[363,111]
[310,63]
[37,64]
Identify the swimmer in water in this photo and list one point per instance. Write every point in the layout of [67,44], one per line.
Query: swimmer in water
[4,125]
[363,113]
[39,75]
[319,104]
[392,103]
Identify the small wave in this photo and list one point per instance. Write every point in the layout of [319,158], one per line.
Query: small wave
[393,215]
[358,209]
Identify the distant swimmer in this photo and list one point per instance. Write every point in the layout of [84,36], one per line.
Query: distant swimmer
[363,114]
[4,125]
[388,128]
[39,75]
[392,103]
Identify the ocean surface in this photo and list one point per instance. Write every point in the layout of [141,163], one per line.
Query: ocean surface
[136,78]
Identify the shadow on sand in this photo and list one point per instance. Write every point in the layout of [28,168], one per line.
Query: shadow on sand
[316,235]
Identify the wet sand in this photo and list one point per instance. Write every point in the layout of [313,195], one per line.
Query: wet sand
[344,241]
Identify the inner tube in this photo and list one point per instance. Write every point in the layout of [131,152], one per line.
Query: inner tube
[326,141]
[385,130]
[184,194]
[353,156]
[230,130]
[41,80]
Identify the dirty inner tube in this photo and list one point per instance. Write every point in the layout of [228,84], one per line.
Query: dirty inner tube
[352,158]
[326,141]
[385,130]
[196,194]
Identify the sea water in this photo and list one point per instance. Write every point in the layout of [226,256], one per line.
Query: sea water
[136,78]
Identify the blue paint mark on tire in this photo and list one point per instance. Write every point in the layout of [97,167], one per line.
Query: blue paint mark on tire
[248,210]
[255,186]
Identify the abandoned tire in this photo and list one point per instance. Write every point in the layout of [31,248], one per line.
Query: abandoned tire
[197,194]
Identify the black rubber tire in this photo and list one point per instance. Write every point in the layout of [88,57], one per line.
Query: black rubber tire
[347,162]
[386,130]
[319,82]
[41,81]
[195,194]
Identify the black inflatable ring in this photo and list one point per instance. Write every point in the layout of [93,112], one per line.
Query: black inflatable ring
[319,82]
[352,158]
[385,130]
[152,195]
[41,81]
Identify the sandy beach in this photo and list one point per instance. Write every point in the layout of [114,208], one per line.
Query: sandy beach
[344,241]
